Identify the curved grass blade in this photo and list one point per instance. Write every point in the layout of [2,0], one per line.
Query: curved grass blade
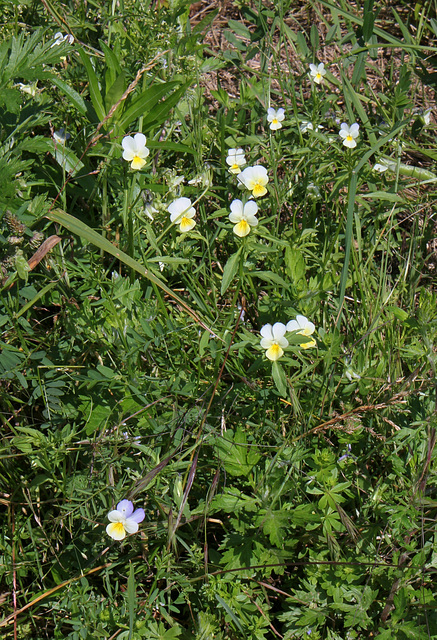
[90,235]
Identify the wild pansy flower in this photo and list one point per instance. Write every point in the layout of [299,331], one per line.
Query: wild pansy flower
[317,71]
[303,327]
[313,191]
[306,125]
[236,159]
[275,117]
[273,340]
[182,213]
[243,216]
[380,167]
[349,133]
[255,179]
[59,39]
[135,150]
[150,210]
[124,520]
[61,136]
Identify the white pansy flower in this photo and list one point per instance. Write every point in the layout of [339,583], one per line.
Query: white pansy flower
[255,179]
[59,39]
[380,167]
[317,71]
[61,136]
[182,213]
[235,159]
[273,340]
[313,191]
[243,216]
[303,327]
[135,150]
[150,210]
[275,117]
[124,520]
[349,134]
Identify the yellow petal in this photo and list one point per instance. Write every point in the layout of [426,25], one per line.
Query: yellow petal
[186,224]
[116,530]
[137,162]
[242,228]
[258,191]
[274,352]
[308,345]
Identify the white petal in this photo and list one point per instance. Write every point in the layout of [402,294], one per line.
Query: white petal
[266,331]
[279,330]
[131,526]
[250,209]
[115,516]
[140,140]
[237,210]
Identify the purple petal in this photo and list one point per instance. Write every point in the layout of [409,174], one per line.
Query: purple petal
[125,507]
[138,515]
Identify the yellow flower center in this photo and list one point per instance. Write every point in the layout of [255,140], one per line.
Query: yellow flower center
[318,76]
[242,228]
[118,528]
[349,138]
[258,190]
[275,351]
[275,121]
[137,162]
[235,168]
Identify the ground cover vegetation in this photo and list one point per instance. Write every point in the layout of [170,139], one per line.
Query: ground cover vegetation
[218,320]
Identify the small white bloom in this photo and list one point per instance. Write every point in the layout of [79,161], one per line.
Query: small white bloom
[303,327]
[317,71]
[349,133]
[380,167]
[236,159]
[305,126]
[426,117]
[124,520]
[313,191]
[243,216]
[255,179]
[273,340]
[59,39]
[135,150]
[150,210]
[61,136]
[275,118]
[182,213]
[196,181]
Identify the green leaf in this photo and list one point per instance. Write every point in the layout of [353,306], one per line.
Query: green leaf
[229,612]
[237,457]
[94,89]
[279,378]
[115,92]
[83,106]
[230,270]
[145,102]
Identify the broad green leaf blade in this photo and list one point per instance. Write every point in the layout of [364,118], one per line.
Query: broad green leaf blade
[95,95]
[230,270]
[145,102]
[83,106]
[160,113]
[279,378]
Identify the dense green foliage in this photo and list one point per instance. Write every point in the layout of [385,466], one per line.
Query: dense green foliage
[293,497]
